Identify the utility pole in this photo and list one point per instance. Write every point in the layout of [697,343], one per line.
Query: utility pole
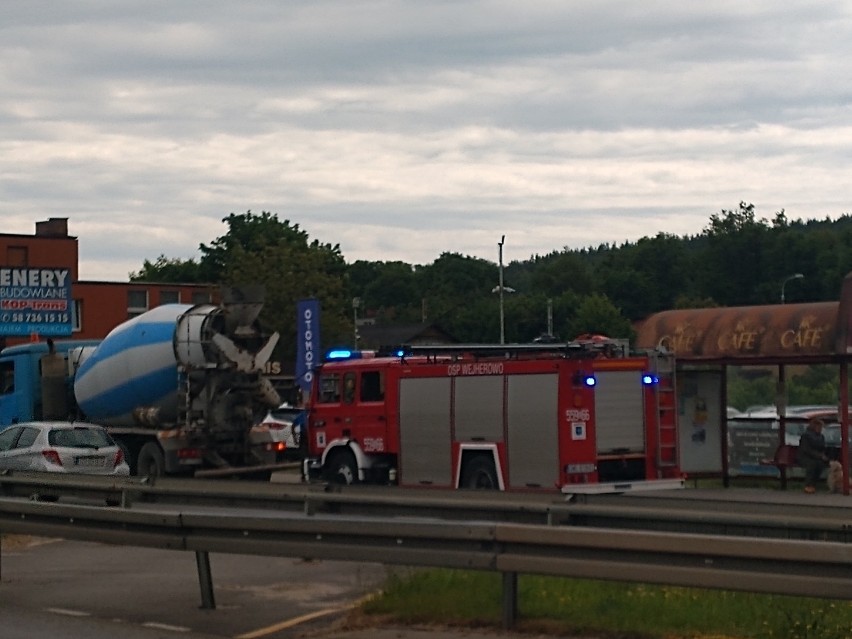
[550,317]
[356,302]
[502,322]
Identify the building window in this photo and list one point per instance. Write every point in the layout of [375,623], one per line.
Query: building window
[169,297]
[137,302]
[76,315]
[200,297]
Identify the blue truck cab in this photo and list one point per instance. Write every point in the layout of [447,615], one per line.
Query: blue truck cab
[36,381]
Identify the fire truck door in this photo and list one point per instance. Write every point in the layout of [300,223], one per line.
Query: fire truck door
[366,409]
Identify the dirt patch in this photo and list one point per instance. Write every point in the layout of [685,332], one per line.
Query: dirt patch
[20,542]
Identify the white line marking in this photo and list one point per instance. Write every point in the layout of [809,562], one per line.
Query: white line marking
[165,626]
[68,613]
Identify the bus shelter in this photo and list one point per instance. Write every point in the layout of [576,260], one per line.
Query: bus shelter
[707,341]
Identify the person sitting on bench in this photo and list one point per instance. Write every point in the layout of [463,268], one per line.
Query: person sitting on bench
[812,455]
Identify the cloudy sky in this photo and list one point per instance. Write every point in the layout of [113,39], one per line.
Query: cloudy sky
[404,129]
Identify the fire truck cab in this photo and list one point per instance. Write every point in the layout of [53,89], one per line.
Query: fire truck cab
[508,417]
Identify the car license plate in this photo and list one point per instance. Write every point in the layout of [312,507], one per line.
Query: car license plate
[89,462]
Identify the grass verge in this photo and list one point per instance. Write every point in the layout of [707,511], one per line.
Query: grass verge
[567,607]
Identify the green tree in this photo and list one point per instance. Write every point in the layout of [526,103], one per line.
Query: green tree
[733,260]
[290,273]
[598,315]
[173,270]
[388,290]
[558,273]
[452,286]
[253,234]
[261,249]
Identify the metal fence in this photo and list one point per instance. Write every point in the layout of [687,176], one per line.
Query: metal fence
[260,526]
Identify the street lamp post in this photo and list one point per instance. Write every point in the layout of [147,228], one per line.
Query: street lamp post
[795,276]
[502,323]
[356,302]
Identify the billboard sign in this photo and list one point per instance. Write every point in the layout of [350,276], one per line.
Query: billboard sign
[35,301]
[307,343]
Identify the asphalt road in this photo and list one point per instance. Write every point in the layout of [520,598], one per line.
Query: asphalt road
[57,589]
[60,589]
[63,583]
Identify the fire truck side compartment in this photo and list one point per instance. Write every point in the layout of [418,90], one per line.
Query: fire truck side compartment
[533,416]
[424,430]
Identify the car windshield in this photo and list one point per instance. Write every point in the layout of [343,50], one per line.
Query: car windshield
[79,437]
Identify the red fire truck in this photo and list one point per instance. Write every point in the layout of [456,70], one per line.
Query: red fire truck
[508,417]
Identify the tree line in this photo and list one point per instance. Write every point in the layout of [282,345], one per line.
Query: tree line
[738,259]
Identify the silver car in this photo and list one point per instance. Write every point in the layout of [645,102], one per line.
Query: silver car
[279,429]
[61,447]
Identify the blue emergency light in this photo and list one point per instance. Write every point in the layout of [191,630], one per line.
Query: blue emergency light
[584,379]
[648,379]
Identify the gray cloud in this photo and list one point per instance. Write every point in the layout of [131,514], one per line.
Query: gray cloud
[403,129]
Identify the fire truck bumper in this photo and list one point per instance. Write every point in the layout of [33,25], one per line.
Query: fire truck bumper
[570,490]
[311,468]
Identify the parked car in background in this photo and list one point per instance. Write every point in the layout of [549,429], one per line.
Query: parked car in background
[61,447]
[284,436]
[797,421]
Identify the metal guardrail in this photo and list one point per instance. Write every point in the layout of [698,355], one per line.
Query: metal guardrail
[766,514]
[216,524]
[790,567]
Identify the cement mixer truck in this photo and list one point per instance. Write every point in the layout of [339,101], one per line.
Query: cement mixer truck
[180,388]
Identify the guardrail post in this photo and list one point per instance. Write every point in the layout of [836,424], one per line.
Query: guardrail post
[202,560]
[510,600]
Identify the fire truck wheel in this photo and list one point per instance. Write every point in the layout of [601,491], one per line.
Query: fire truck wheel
[480,473]
[150,462]
[342,468]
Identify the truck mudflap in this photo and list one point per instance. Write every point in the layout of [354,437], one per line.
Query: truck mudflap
[569,490]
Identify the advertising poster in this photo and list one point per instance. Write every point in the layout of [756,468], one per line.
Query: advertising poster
[35,301]
[308,351]
[700,421]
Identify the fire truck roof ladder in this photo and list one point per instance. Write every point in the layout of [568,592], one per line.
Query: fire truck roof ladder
[578,349]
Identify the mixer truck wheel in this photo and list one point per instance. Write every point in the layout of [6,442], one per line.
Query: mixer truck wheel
[342,468]
[150,462]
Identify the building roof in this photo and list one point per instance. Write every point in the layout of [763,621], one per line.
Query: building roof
[374,337]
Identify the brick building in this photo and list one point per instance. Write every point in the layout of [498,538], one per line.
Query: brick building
[96,307]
